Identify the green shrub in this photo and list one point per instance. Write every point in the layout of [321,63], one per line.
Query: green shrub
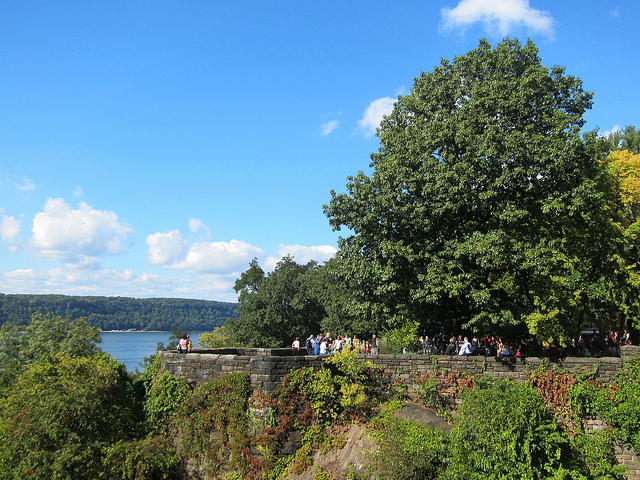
[597,454]
[344,386]
[164,395]
[151,458]
[211,427]
[622,410]
[57,418]
[409,450]
[504,431]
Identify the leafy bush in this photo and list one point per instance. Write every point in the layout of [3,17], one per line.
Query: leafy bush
[504,431]
[164,395]
[57,418]
[597,453]
[344,386]
[618,405]
[151,458]
[409,450]
[211,428]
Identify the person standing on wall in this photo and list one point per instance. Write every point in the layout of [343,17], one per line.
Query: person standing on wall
[374,346]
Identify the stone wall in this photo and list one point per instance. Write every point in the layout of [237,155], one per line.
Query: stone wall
[267,367]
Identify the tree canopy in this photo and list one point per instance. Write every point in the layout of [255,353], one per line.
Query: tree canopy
[46,337]
[274,308]
[485,208]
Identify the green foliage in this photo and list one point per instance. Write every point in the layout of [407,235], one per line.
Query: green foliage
[46,337]
[597,452]
[484,209]
[429,389]
[343,388]
[403,337]
[276,308]
[164,394]
[57,418]
[409,450]
[626,139]
[504,431]
[150,458]
[618,405]
[120,313]
[218,338]
[211,429]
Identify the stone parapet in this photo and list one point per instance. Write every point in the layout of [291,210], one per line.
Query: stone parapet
[267,367]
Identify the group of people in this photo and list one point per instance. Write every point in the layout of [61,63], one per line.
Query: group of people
[486,346]
[490,345]
[595,342]
[327,343]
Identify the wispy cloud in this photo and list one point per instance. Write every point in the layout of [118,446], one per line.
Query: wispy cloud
[616,128]
[500,17]
[329,127]
[198,226]
[26,185]
[303,254]
[374,114]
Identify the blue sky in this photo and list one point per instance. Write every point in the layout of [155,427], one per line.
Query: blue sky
[152,149]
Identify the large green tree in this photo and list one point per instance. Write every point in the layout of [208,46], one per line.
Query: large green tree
[274,308]
[484,207]
[44,338]
[57,418]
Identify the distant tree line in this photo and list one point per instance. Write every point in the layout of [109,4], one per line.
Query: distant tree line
[120,313]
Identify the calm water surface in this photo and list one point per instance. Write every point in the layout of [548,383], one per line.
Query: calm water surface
[131,348]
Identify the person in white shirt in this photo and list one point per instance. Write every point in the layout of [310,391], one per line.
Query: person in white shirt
[465,349]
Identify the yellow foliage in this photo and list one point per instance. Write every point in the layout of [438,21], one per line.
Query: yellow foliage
[626,167]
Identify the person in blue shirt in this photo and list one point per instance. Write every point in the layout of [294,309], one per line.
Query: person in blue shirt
[316,347]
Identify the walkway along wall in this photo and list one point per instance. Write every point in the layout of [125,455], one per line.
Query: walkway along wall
[267,367]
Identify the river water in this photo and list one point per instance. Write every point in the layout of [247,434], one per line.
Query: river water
[131,348]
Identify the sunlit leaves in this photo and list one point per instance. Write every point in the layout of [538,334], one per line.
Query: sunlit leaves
[483,195]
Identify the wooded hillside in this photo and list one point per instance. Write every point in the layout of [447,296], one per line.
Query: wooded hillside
[120,313]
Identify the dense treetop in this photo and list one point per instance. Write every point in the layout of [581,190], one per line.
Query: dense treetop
[487,208]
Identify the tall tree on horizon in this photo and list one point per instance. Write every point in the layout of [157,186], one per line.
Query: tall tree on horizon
[484,209]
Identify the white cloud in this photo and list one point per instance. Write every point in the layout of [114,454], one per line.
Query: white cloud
[374,114]
[60,233]
[498,16]
[219,257]
[26,185]
[166,247]
[616,128]
[329,127]
[9,228]
[196,226]
[303,255]
[108,282]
